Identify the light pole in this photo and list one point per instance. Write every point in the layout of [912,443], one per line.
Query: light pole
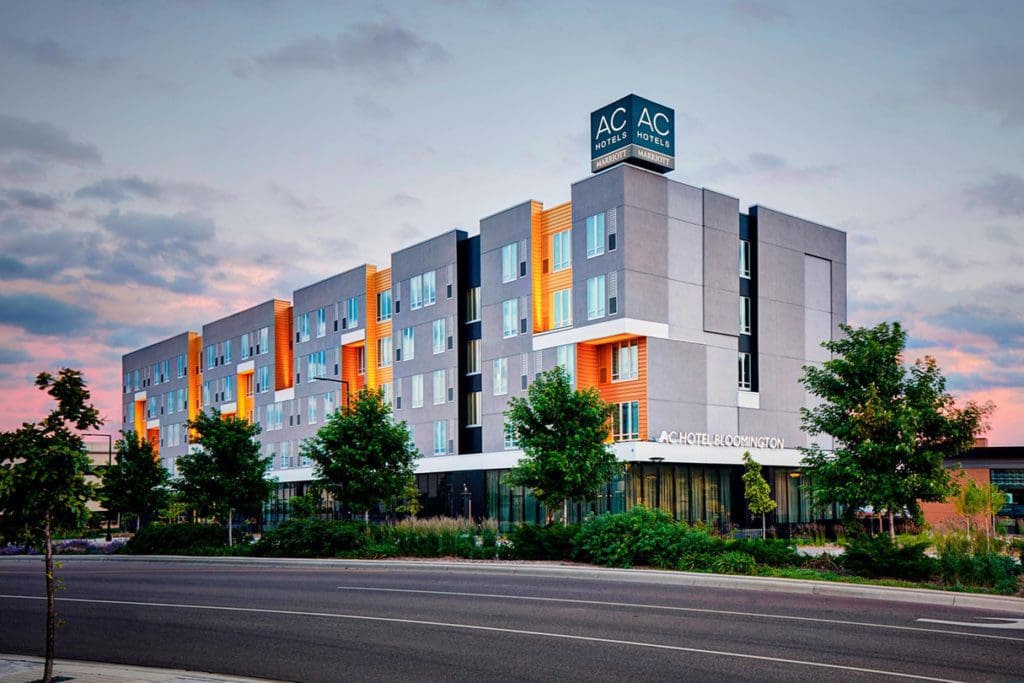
[110,462]
[657,459]
[344,387]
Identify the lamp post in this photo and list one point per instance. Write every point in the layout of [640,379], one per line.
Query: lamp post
[657,459]
[467,501]
[110,462]
[342,382]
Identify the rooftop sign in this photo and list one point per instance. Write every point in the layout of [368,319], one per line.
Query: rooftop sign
[633,130]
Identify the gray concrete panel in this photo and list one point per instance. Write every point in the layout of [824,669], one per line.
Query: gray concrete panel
[644,239]
[772,423]
[721,311]
[649,298]
[598,193]
[675,416]
[676,371]
[685,203]
[646,189]
[722,420]
[780,387]
[721,376]
[685,310]
[781,329]
[685,252]
[780,274]
[721,212]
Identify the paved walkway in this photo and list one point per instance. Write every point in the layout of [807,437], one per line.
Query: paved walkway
[23,669]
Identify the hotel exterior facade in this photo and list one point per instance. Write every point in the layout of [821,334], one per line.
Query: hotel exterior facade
[692,317]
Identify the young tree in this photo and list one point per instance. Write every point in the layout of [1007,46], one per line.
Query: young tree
[563,434]
[226,472]
[757,492]
[361,455]
[43,489]
[892,425]
[136,483]
[968,502]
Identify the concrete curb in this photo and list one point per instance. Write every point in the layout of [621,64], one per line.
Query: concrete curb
[23,668]
[655,576]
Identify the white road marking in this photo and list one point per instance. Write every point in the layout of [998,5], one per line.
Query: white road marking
[492,629]
[700,610]
[1015,624]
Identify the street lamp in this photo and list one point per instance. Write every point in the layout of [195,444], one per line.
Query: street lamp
[342,382]
[657,459]
[467,501]
[110,462]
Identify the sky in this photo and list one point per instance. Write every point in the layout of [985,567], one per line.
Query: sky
[165,164]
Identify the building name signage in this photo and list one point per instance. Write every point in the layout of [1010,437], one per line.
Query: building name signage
[633,130]
[727,440]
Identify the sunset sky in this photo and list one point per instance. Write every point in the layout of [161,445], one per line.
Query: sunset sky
[165,164]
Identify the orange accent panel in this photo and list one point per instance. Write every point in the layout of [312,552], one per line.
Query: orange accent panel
[284,374]
[594,360]
[195,377]
[350,368]
[244,401]
[544,224]
[380,281]
[153,437]
[140,419]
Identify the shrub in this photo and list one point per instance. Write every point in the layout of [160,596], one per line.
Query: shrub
[310,537]
[177,539]
[640,536]
[962,562]
[877,556]
[439,537]
[734,562]
[772,552]
[551,542]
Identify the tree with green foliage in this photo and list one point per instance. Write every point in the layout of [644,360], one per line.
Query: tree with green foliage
[362,455]
[136,483]
[563,434]
[227,471]
[893,425]
[43,487]
[756,491]
[968,502]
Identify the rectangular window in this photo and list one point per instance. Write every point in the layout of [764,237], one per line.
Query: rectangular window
[510,442]
[321,321]
[509,318]
[408,343]
[360,360]
[263,379]
[384,305]
[565,357]
[311,410]
[472,304]
[416,292]
[474,408]
[595,297]
[563,308]
[440,386]
[561,250]
[595,235]
[440,437]
[352,312]
[626,421]
[387,394]
[229,388]
[316,365]
[330,403]
[227,351]
[384,352]
[625,361]
[417,391]
[211,356]
[744,315]
[439,337]
[744,371]
[181,400]
[135,383]
[509,262]
[473,351]
[500,376]
[745,259]
[245,351]
[429,288]
[182,366]
[304,327]
[263,345]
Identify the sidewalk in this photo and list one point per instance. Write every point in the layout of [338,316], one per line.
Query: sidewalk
[25,669]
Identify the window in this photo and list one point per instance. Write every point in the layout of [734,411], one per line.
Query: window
[416,292]
[626,421]
[625,361]
[229,388]
[429,288]
[263,379]
[510,441]
[165,371]
[246,349]
[321,322]
[286,454]
[745,259]
[565,357]
[440,387]
[595,235]
[304,327]
[387,394]
[182,366]
[439,337]
[316,365]
[744,371]
[417,391]
[440,437]
[473,304]
[263,345]
[311,410]
[211,356]
[384,305]
[744,315]
[408,343]
[275,417]
[561,250]
[360,360]
[330,404]
[474,408]
[136,384]
[473,350]
[384,352]
[595,297]
[563,308]
[227,351]
[206,393]
[182,405]
[509,262]
[500,376]
[509,318]
[352,312]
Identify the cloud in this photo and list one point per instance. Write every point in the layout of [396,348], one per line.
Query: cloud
[990,78]
[1003,194]
[382,49]
[1001,234]
[1006,328]
[41,314]
[154,230]
[14,356]
[119,189]
[293,201]
[20,170]
[373,109]
[44,140]
[27,199]
[767,12]
[45,51]
[769,166]
[402,200]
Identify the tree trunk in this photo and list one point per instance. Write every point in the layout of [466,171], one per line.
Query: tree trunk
[565,512]
[51,601]
[231,518]
[892,525]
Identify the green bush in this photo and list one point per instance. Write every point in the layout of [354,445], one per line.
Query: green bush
[773,552]
[551,542]
[177,539]
[877,556]
[734,562]
[638,537]
[310,537]
[439,537]
[963,562]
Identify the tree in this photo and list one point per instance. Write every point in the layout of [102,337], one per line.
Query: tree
[361,455]
[136,483]
[893,425]
[226,472]
[757,492]
[43,489]
[968,502]
[562,433]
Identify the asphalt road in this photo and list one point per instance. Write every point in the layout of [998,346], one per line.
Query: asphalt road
[372,623]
